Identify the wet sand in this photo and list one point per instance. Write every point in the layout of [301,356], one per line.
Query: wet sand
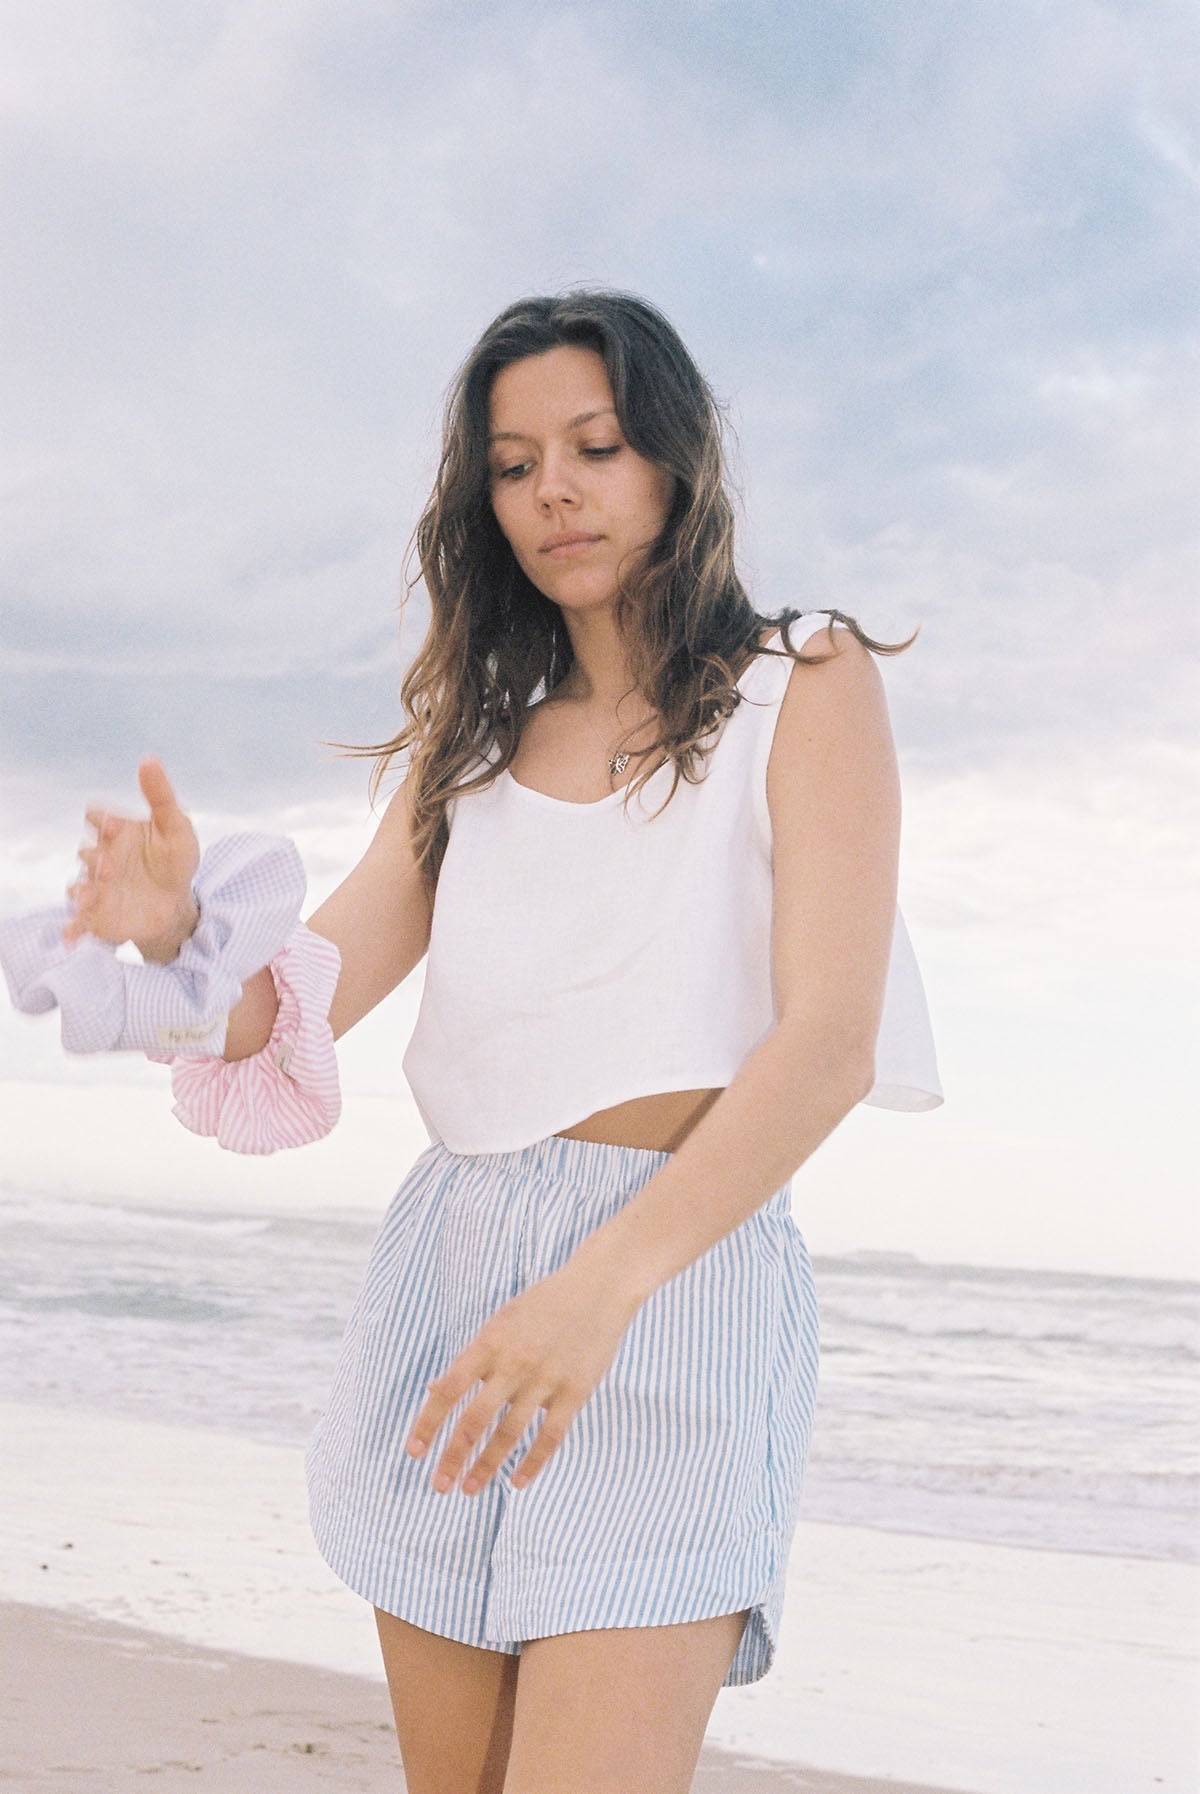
[87,1703]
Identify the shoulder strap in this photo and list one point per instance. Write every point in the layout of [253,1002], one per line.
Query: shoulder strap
[773,670]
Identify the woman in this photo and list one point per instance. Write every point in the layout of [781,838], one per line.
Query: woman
[651,850]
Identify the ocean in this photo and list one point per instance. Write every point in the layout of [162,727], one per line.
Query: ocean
[1034,1408]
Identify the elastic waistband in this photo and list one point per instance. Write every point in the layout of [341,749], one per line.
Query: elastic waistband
[558,1156]
[595,1164]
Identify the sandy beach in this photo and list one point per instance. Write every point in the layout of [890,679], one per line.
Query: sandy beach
[168,1608]
[91,1703]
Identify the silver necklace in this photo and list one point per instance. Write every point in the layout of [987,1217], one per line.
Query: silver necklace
[616,762]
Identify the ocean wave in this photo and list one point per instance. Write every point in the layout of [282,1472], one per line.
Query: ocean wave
[82,1214]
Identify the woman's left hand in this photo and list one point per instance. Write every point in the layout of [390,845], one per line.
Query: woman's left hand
[547,1348]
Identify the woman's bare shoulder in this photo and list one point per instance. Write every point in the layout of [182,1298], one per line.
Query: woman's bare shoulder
[834,711]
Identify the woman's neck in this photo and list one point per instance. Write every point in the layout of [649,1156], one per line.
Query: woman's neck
[601,679]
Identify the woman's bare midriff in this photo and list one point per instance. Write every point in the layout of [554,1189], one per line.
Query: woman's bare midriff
[659,1123]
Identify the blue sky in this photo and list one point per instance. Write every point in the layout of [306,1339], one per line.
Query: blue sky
[940,260]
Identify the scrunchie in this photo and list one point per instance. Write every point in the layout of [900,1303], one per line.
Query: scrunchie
[287,1094]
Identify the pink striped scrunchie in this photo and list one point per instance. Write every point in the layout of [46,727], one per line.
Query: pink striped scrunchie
[288,1094]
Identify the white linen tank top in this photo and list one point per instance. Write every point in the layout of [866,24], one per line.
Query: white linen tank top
[581,955]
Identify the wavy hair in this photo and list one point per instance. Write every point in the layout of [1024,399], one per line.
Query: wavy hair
[688,626]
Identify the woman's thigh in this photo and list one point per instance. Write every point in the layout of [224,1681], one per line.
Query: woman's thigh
[453,1705]
[611,1710]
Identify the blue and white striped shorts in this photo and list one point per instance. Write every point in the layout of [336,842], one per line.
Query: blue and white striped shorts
[675,1493]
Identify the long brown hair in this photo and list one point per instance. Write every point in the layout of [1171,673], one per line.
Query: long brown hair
[493,639]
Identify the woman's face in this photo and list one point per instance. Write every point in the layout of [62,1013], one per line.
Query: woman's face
[576,504]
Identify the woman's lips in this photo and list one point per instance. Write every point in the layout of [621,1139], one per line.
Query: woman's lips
[567,547]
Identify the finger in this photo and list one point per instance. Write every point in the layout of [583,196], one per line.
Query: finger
[74,928]
[505,1438]
[100,869]
[105,823]
[444,1392]
[158,793]
[79,924]
[473,1423]
[550,1436]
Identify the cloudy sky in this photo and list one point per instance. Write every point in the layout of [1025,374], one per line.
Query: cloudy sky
[939,259]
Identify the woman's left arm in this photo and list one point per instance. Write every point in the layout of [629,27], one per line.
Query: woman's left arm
[834,797]
[834,794]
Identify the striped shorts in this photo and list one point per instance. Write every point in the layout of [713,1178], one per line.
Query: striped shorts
[675,1493]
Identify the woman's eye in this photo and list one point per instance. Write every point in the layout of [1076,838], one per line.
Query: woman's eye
[517,470]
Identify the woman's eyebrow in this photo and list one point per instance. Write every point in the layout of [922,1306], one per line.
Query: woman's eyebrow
[585,417]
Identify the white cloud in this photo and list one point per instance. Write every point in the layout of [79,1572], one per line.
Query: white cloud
[250,241]
[1076,861]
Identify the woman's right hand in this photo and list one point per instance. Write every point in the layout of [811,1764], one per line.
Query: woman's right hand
[137,879]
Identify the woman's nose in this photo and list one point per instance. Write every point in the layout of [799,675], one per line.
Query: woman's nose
[554,483]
